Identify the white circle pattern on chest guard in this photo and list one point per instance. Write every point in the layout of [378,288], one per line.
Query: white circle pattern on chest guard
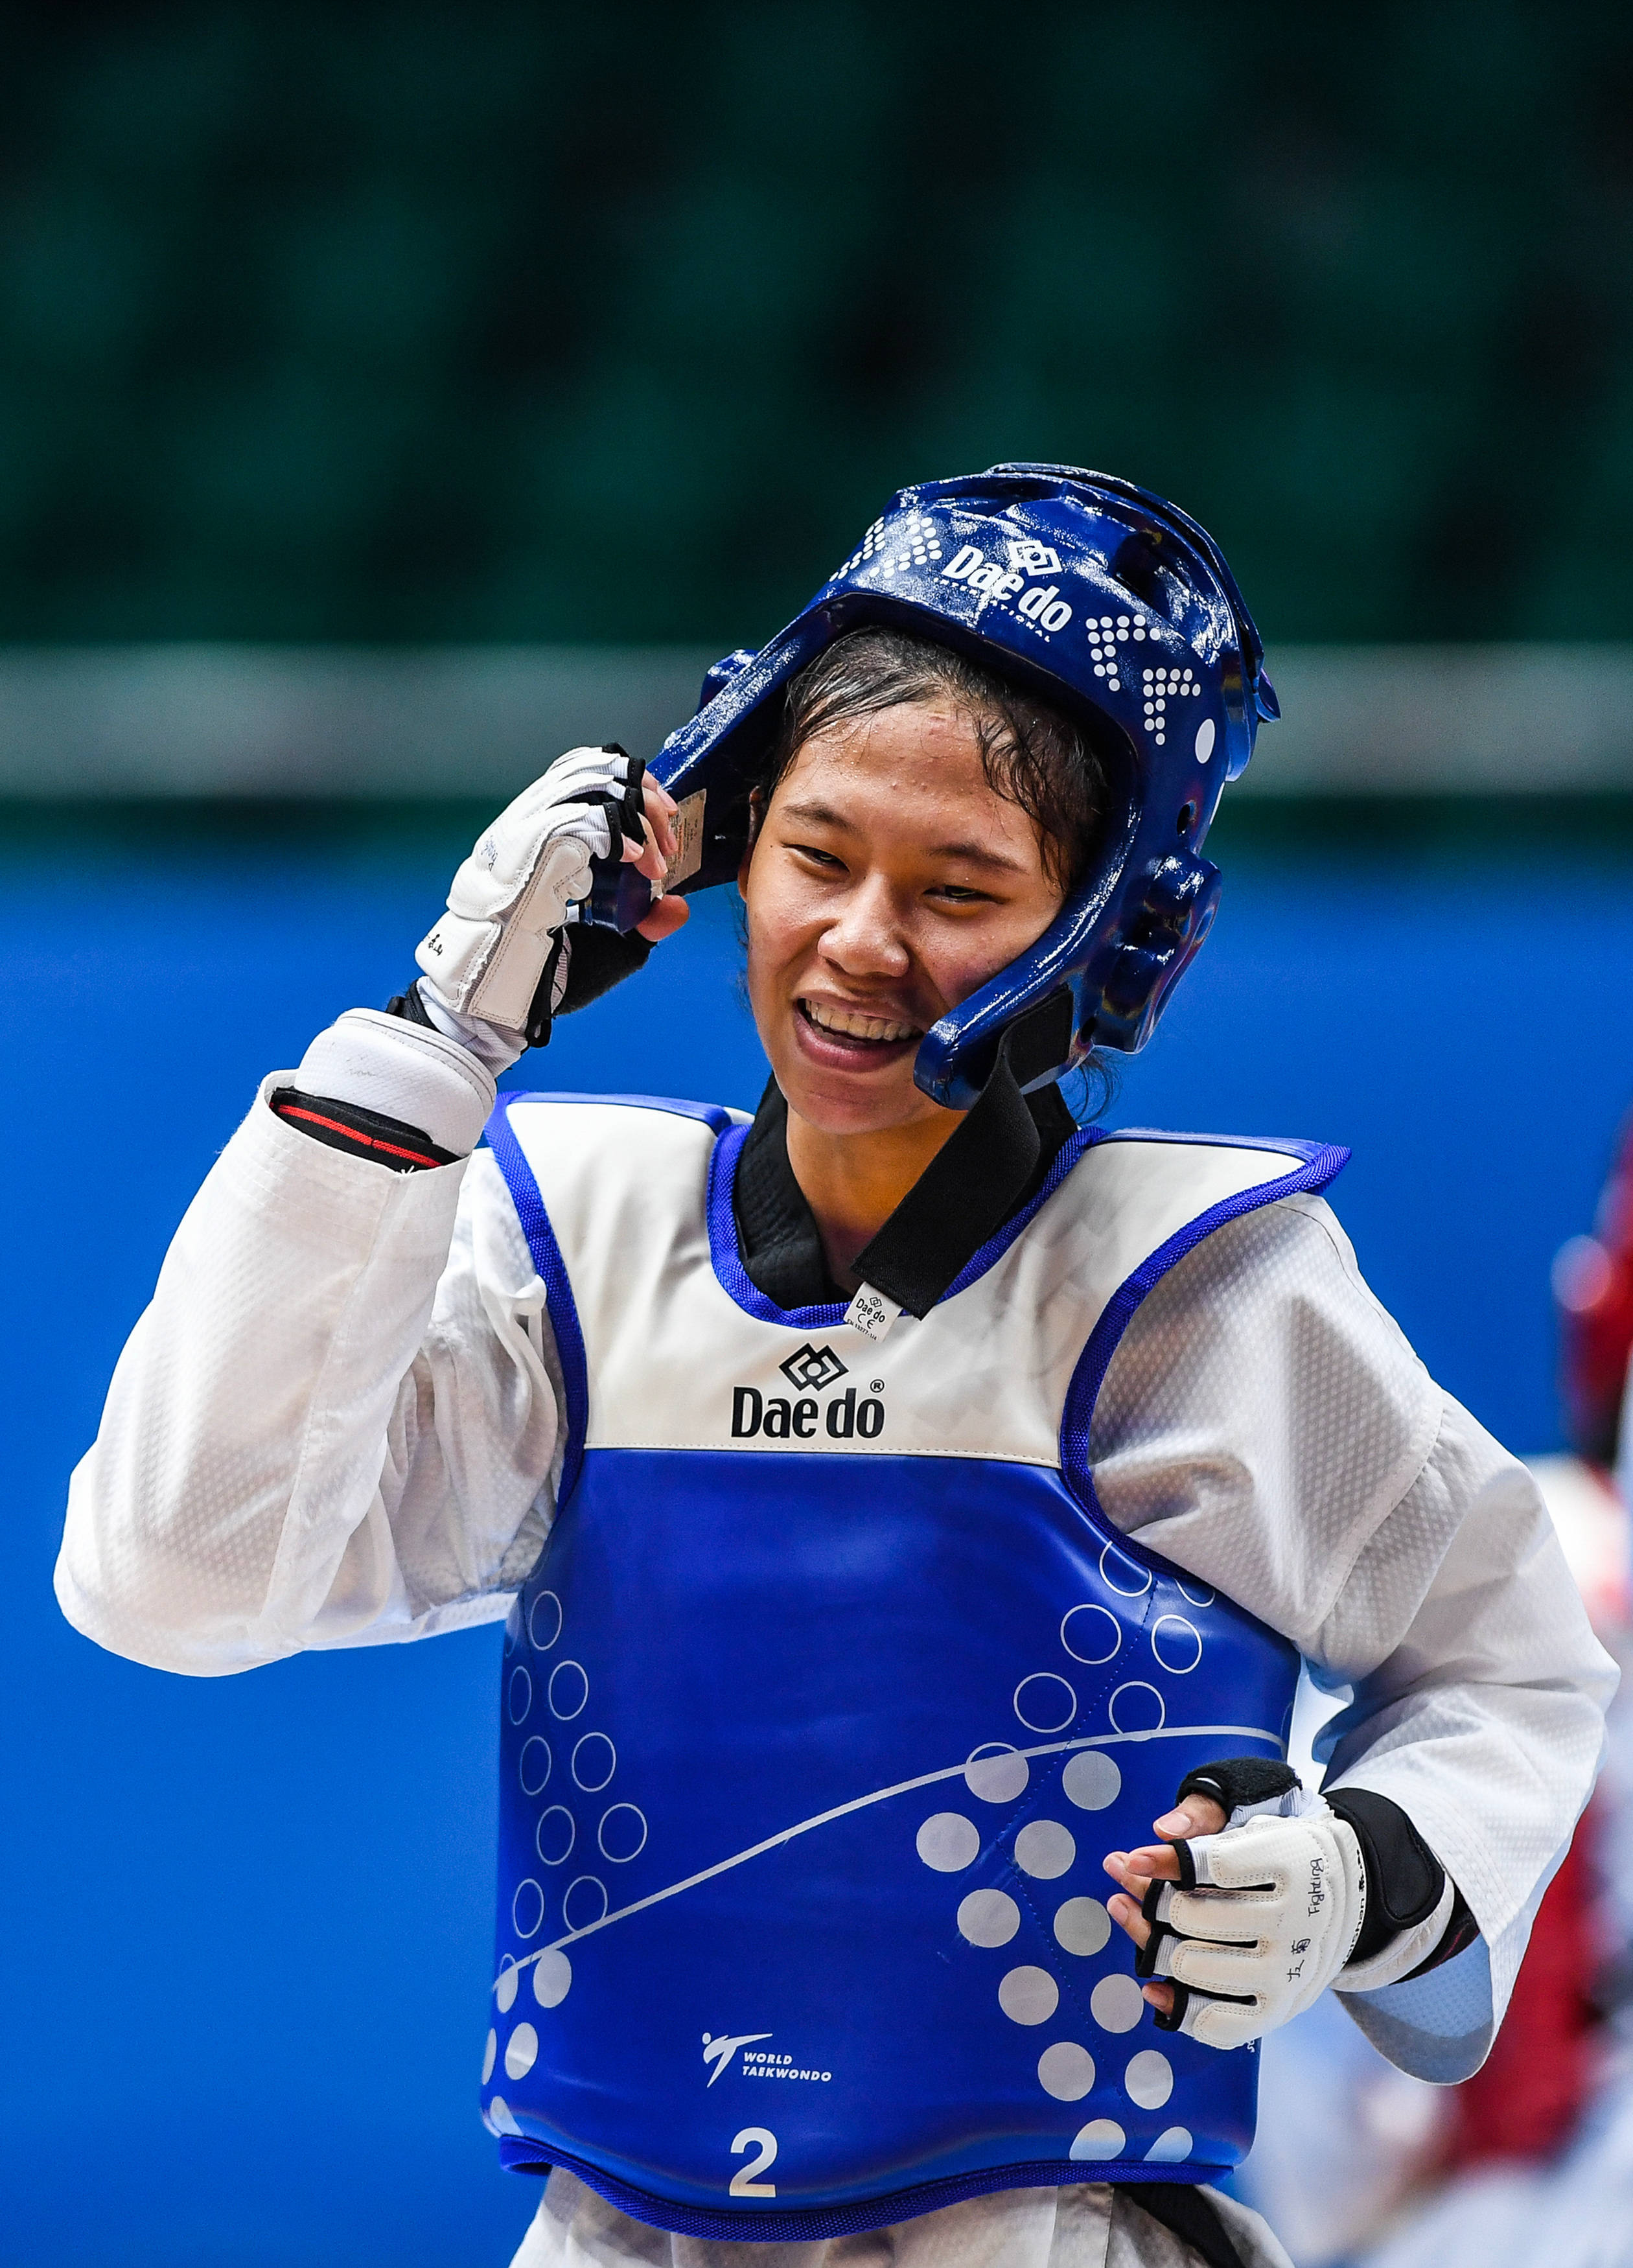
[1091,1634]
[1045,1703]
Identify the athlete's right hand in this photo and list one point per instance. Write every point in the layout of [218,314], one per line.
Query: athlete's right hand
[493,954]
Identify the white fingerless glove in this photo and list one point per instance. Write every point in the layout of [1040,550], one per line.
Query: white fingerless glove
[486,958]
[1262,1921]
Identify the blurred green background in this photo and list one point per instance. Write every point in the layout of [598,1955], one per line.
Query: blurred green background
[488,321]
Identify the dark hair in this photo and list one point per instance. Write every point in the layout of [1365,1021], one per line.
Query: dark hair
[1032,756]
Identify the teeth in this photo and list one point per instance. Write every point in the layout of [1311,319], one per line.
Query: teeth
[854,1025]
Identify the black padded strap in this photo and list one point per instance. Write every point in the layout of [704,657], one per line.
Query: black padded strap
[1186,2209]
[597,958]
[410,1007]
[1236,1780]
[1404,1879]
[973,1183]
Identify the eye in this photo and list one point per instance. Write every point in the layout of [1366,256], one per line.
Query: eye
[817,857]
[959,894]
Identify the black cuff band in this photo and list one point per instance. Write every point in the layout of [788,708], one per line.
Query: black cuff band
[363,1133]
[410,1007]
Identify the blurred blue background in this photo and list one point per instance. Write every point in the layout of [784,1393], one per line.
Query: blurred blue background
[433,328]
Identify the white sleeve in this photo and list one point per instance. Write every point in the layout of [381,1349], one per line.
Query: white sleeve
[336,1424]
[1265,1424]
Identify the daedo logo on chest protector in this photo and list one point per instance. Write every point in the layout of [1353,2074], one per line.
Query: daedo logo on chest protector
[776,1417]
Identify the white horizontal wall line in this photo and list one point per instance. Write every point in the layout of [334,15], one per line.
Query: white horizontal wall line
[219,720]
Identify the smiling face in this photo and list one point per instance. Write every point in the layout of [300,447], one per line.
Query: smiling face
[887,882]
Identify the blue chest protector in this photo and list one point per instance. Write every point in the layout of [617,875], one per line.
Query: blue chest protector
[828,1694]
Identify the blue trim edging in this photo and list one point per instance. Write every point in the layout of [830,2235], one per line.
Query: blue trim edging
[1320,1163]
[797,2224]
[558,1291]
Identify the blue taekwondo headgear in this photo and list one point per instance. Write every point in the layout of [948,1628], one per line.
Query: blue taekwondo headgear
[1115,607]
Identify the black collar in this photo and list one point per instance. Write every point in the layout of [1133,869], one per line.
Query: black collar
[782,1252]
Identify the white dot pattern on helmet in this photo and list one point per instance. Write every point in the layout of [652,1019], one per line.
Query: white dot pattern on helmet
[1028,1995]
[948,1842]
[521,2052]
[1066,2070]
[569,1690]
[533,1766]
[499,2117]
[489,2055]
[1172,2147]
[889,550]
[1148,2080]
[504,1988]
[1105,635]
[1158,687]
[527,1908]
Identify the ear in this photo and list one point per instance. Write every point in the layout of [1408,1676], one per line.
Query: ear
[756,820]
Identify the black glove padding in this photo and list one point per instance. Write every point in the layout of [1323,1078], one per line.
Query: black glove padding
[597,958]
[583,964]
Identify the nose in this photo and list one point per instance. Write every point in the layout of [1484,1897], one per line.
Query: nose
[865,937]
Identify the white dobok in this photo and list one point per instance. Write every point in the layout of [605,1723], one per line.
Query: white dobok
[339,1424]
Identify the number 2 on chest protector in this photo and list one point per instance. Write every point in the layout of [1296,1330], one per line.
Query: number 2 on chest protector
[743,2182]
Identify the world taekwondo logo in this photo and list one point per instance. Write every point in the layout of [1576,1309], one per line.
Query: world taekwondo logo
[717,2054]
[811,1368]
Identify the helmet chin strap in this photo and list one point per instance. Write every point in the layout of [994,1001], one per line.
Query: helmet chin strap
[975,1181]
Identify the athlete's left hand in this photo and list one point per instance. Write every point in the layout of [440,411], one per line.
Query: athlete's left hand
[1251,1922]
